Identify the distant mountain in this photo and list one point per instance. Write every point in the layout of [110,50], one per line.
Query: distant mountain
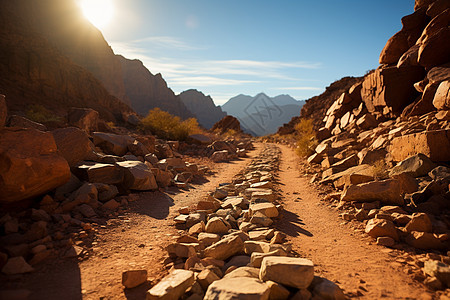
[203,107]
[261,114]
[147,91]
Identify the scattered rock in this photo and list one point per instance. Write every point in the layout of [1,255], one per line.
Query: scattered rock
[172,286]
[290,271]
[238,288]
[133,278]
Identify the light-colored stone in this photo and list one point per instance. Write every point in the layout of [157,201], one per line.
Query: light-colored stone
[277,291]
[257,257]
[266,208]
[133,278]
[419,222]
[441,99]
[290,271]
[424,240]
[206,277]
[217,225]
[138,176]
[415,166]
[438,269]
[244,271]
[386,191]
[173,286]
[381,227]
[242,288]
[225,248]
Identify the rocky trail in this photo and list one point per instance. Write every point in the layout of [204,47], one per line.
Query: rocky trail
[142,235]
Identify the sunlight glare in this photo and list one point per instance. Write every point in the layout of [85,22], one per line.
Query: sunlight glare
[98,12]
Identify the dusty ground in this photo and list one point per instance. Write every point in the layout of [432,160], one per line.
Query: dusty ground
[135,240]
[339,253]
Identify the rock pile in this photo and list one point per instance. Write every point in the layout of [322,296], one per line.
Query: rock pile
[230,251]
[69,181]
[385,143]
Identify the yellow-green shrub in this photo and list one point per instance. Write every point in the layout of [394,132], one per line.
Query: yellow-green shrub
[306,138]
[40,114]
[166,126]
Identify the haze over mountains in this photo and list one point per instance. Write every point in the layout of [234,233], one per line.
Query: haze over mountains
[261,114]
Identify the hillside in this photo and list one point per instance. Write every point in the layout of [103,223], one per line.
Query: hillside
[203,107]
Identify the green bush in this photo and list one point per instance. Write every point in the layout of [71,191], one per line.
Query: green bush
[166,126]
[40,114]
[306,138]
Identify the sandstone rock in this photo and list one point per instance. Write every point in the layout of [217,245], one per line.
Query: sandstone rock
[206,277]
[385,241]
[217,225]
[83,118]
[262,185]
[441,99]
[208,238]
[260,219]
[172,286]
[18,121]
[133,278]
[30,164]
[267,209]
[219,156]
[243,272]
[237,288]
[111,205]
[434,144]
[264,195]
[112,143]
[182,249]
[197,228]
[422,3]
[235,201]
[225,248]
[381,227]
[73,144]
[386,191]
[390,87]
[16,265]
[290,271]
[138,176]
[99,172]
[199,139]
[257,257]
[220,194]
[424,240]
[394,48]
[351,179]
[415,166]
[419,222]
[439,270]
[326,289]
[3,111]
[434,50]
[409,58]
[277,291]
[367,121]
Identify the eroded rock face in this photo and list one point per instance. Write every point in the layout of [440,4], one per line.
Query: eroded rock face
[29,164]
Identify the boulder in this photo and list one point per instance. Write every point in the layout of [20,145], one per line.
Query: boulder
[244,271]
[173,286]
[414,166]
[83,118]
[112,143]
[3,111]
[394,48]
[18,121]
[441,99]
[386,191]
[73,144]
[266,208]
[138,176]
[419,222]
[435,50]
[244,288]
[434,144]
[424,241]
[217,225]
[225,248]
[30,164]
[381,227]
[291,271]
[99,172]
[133,278]
[390,87]
[277,291]
[206,277]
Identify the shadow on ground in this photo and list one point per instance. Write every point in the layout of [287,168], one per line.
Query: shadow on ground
[291,224]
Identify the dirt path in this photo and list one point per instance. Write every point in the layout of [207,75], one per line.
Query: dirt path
[134,240]
[339,253]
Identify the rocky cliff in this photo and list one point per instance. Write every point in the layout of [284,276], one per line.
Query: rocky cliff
[202,107]
[36,70]
[147,91]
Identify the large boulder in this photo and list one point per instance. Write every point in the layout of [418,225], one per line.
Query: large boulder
[73,144]
[30,164]
[112,143]
[390,87]
[434,144]
[386,191]
[83,118]
[99,172]
[435,50]
[18,121]
[380,228]
[415,166]
[244,288]
[291,271]
[138,176]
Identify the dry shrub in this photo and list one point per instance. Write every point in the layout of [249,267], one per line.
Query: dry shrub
[306,138]
[380,169]
[40,114]
[166,126]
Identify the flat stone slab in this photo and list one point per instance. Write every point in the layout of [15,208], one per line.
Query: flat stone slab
[290,271]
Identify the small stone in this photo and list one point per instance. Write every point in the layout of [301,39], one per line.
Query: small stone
[206,277]
[133,278]
[385,241]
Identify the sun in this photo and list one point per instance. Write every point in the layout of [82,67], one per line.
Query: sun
[98,12]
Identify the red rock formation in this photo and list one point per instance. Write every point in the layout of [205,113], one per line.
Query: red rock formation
[227,123]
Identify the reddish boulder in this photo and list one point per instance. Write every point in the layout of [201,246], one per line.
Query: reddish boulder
[18,121]
[394,48]
[30,164]
[390,87]
[83,118]
[73,144]
[435,50]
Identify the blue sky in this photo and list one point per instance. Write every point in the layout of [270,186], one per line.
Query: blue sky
[225,48]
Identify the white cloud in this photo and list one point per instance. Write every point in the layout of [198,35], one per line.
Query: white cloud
[203,81]
[299,88]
